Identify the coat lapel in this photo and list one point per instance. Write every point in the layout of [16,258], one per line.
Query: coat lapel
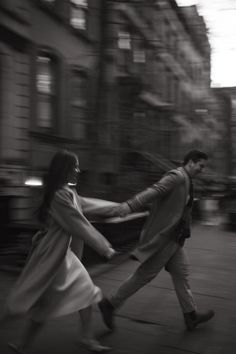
[186,182]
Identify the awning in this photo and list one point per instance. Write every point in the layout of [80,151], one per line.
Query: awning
[154,100]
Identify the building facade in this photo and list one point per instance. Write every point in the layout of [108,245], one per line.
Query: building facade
[226,99]
[157,88]
[49,52]
[124,84]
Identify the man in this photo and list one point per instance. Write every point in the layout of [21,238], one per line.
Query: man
[162,239]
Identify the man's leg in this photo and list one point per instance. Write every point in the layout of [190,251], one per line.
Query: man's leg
[178,266]
[146,272]
[143,274]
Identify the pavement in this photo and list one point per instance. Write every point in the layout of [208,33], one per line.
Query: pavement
[151,321]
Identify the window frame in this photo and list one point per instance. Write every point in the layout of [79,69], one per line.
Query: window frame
[83,104]
[54,95]
[84,9]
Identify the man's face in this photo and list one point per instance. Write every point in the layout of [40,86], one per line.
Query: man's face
[197,167]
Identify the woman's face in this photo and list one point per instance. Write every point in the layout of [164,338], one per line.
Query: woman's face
[73,177]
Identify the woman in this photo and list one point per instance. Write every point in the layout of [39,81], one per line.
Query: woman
[54,282]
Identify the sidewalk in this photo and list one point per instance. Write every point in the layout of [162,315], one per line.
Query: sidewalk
[151,321]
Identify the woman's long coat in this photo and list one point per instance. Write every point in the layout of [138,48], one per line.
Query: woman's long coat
[168,198]
[54,282]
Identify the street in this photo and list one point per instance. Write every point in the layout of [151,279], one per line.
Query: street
[151,321]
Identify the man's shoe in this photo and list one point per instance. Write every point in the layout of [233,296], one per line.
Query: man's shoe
[133,257]
[15,348]
[94,346]
[107,311]
[194,318]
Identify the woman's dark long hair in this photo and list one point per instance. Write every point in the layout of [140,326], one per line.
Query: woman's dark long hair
[61,166]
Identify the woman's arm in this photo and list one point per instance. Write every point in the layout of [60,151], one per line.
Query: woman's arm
[93,207]
[75,223]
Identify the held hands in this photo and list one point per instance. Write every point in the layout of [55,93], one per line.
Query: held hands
[124,209]
[121,210]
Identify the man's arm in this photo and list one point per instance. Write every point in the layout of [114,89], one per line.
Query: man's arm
[157,190]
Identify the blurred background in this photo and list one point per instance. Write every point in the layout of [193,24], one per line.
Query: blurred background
[127,85]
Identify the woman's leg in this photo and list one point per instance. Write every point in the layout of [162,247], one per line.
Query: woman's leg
[30,332]
[86,321]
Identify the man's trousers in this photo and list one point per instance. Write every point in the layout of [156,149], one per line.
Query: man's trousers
[175,261]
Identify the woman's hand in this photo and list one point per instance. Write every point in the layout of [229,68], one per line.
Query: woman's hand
[110,253]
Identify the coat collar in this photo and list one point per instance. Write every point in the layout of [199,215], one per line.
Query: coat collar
[186,180]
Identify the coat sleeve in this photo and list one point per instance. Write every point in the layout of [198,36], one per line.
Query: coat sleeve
[97,208]
[75,223]
[157,190]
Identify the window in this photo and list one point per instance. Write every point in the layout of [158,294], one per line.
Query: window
[139,56]
[124,40]
[125,46]
[139,51]
[79,12]
[78,102]
[46,92]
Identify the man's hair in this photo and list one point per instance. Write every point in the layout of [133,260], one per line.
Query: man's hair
[195,156]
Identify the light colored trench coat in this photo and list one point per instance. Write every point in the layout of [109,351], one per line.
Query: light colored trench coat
[54,282]
[168,198]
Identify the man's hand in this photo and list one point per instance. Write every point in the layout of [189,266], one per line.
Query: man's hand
[124,209]
[121,210]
